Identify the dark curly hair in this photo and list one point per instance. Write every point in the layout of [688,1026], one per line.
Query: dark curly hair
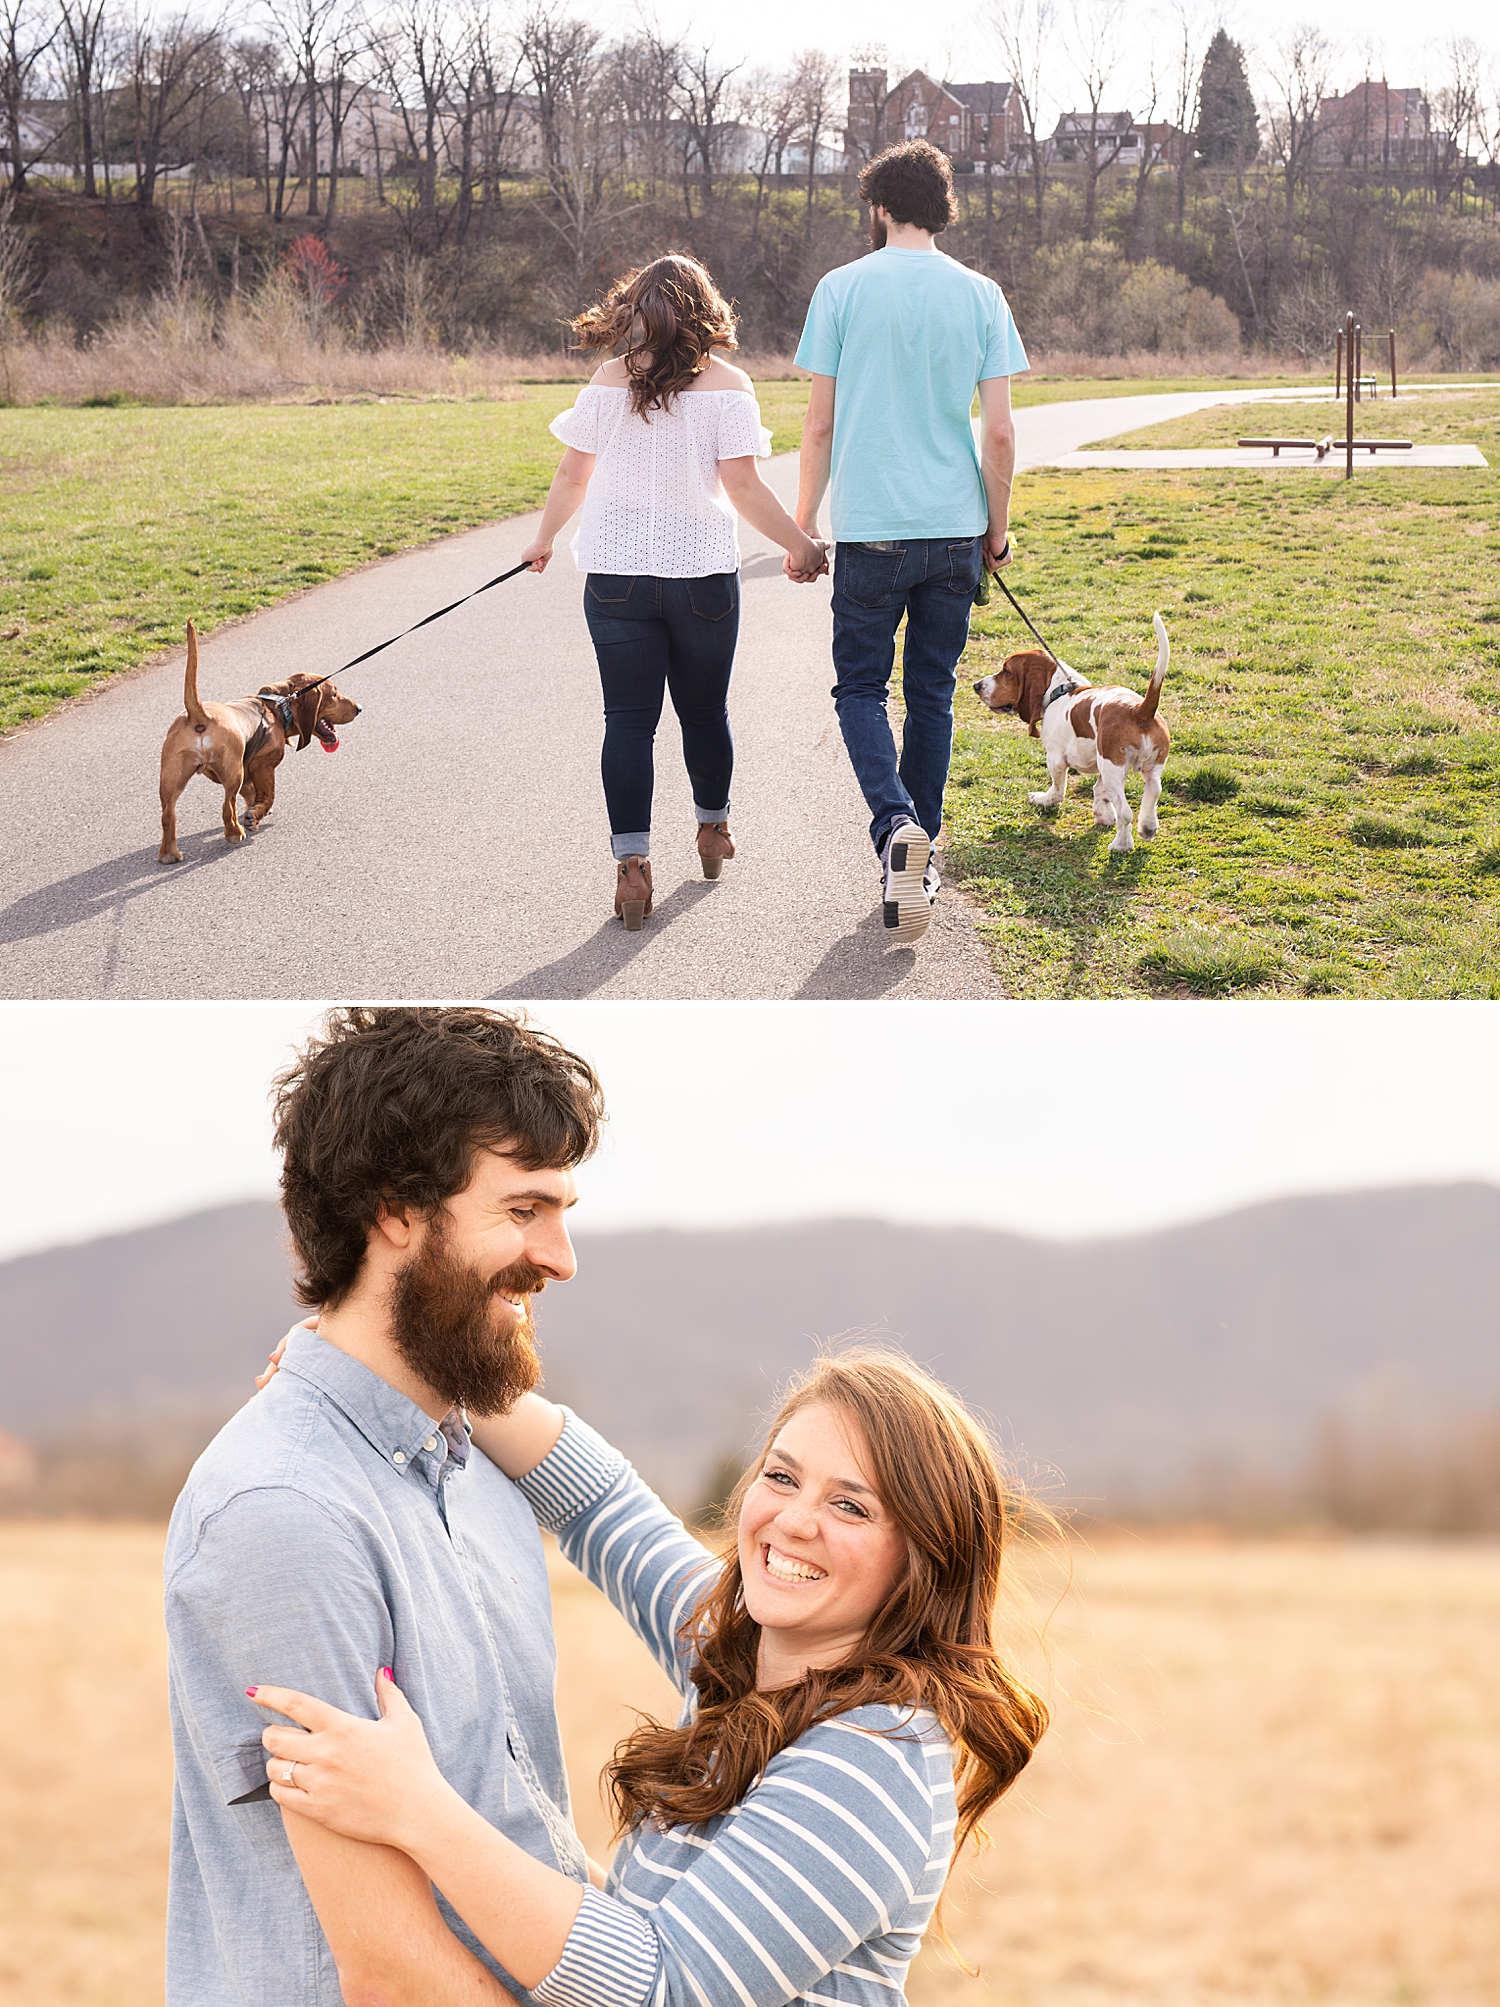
[913,183]
[392,1103]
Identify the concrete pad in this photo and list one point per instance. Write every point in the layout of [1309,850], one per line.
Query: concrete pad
[1259,458]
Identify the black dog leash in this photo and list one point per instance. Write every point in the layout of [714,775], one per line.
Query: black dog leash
[1026,617]
[381,646]
[1063,689]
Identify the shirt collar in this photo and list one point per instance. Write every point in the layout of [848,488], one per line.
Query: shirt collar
[396,1428]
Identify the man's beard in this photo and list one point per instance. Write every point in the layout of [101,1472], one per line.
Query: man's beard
[443,1325]
[877,233]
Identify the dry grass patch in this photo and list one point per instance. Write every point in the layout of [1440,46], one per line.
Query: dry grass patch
[1274,1778]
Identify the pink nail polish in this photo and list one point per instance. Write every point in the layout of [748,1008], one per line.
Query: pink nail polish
[389,1674]
[251,1692]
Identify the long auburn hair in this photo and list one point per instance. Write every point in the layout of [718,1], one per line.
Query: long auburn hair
[931,1644]
[671,317]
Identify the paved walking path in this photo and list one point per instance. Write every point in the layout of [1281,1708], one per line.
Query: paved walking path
[456,846]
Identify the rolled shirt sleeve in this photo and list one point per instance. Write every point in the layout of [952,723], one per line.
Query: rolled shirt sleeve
[242,1611]
[842,1840]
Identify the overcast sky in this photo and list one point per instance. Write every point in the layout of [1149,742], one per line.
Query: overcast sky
[1378,37]
[1061,1119]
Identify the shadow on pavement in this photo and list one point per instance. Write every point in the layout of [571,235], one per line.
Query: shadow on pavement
[109,887]
[597,960]
[860,965]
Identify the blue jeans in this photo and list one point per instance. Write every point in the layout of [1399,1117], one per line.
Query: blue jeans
[932,581]
[654,635]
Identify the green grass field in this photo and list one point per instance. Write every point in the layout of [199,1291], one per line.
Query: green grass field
[1330,822]
[117,525]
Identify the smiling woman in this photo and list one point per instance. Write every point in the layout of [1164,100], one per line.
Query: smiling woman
[846,1721]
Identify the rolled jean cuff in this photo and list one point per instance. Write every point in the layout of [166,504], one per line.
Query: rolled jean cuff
[712,814]
[634,843]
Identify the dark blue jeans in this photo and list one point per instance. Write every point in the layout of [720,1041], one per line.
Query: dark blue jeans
[654,635]
[932,581]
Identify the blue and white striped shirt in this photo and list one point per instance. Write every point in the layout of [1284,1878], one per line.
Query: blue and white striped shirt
[819,1883]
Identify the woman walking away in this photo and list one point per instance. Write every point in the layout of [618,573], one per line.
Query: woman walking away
[846,1720]
[662,446]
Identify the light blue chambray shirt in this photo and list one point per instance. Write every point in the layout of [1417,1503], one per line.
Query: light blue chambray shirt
[331,1528]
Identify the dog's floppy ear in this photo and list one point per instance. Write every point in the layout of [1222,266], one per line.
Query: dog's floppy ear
[305,707]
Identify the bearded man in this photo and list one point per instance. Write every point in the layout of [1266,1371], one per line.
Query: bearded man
[342,1521]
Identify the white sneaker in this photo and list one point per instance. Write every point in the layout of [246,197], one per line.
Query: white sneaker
[932,884]
[907,904]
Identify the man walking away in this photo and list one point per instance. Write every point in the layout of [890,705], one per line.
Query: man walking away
[897,343]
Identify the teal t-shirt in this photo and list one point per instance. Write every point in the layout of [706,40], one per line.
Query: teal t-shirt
[908,335]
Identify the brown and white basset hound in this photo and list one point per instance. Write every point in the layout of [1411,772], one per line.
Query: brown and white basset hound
[239,745]
[1111,732]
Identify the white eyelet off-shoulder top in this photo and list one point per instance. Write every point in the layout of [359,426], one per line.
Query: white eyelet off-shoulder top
[655,505]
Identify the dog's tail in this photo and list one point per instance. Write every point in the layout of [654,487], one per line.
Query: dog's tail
[192,702]
[1146,709]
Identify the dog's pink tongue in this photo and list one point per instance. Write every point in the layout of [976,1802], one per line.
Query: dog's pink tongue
[328,739]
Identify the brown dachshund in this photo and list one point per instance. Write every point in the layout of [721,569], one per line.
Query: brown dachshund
[239,745]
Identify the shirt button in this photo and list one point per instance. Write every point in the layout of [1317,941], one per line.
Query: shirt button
[431,1443]
[399,1457]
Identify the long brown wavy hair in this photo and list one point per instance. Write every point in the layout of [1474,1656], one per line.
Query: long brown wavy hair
[671,317]
[931,1644]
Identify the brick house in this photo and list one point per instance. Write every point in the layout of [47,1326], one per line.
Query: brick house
[1372,126]
[972,123]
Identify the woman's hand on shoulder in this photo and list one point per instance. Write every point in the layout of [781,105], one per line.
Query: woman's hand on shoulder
[273,1364]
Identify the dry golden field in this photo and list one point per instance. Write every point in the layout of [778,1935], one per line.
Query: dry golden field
[1274,1778]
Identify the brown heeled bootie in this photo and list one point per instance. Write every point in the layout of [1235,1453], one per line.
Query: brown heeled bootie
[633,892]
[714,845]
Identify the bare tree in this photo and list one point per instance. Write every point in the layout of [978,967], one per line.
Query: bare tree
[338,88]
[814,86]
[766,106]
[705,101]
[23,44]
[1459,117]
[1095,43]
[1298,73]
[82,25]
[171,66]
[1024,30]
[563,65]
[1190,40]
[414,59]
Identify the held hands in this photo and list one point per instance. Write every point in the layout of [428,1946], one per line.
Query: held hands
[369,1780]
[806,560]
[538,553]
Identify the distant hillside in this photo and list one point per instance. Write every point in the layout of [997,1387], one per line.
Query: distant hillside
[1124,1365]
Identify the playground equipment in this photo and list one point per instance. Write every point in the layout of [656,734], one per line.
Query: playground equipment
[1349,354]
[1348,382]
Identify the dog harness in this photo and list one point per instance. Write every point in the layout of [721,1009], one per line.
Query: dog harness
[1062,690]
[282,706]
